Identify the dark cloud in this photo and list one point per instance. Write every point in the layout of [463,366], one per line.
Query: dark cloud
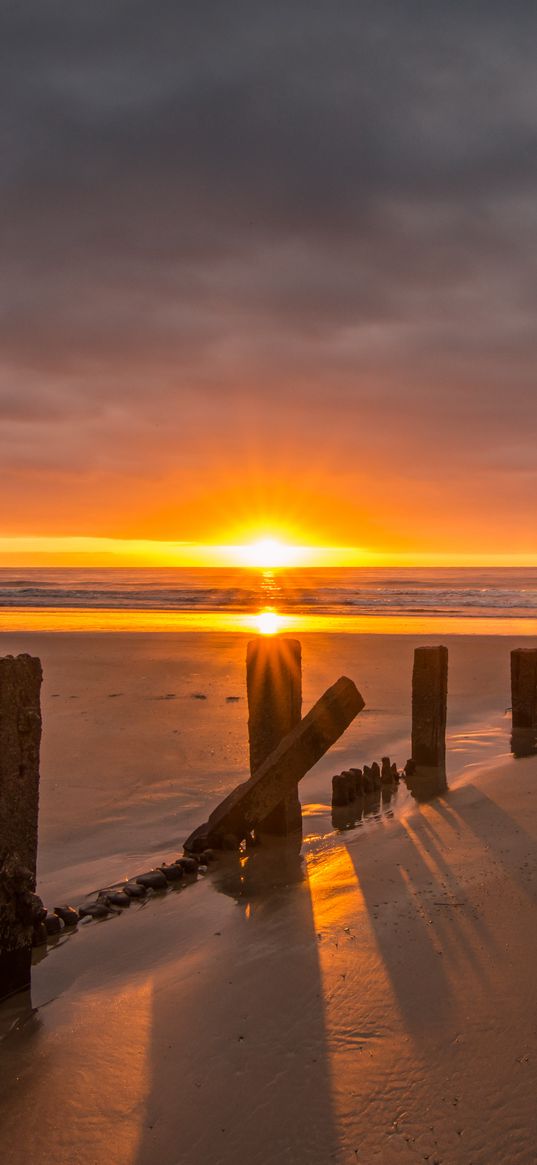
[212,213]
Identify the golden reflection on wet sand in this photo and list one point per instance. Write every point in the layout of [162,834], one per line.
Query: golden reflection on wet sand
[91,1075]
[264,622]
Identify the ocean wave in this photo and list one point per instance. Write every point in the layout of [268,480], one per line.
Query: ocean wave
[365,592]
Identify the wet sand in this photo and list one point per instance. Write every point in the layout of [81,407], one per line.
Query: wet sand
[369,1001]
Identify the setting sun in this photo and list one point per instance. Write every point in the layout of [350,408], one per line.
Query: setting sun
[270,552]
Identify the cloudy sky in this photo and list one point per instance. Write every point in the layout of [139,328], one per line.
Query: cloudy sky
[270,267]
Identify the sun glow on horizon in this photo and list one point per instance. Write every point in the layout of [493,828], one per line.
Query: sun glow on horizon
[270,553]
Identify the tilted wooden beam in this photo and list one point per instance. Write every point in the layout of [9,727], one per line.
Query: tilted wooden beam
[250,803]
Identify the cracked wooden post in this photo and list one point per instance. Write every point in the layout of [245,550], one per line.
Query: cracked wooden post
[274,686]
[20,735]
[429,716]
[250,803]
[524,701]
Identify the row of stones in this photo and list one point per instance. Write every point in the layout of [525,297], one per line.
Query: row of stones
[49,924]
[353,783]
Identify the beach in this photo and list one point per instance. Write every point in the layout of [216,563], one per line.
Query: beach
[368,999]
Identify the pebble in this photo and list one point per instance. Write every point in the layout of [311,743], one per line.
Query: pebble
[172,873]
[153,880]
[40,935]
[94,910]
[53,924]
[134,890]
[189,865]
[115,898]
[202,869]
[68,914]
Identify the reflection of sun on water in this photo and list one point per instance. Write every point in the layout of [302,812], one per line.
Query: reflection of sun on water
[268,622]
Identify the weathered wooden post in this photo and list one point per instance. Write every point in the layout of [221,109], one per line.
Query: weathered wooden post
[524,687]
[20,735]
[429,706]
[524,701]
[274,686]
[426,772]
[247,806]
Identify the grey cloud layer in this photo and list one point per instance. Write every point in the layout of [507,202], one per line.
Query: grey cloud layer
[202,203]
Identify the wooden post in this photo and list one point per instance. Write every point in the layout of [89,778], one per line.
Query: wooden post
[250,803]
[274,686]
[429,706]
[524,687]
[20,735]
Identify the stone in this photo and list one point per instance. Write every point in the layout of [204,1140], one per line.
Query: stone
[410,767]
[375,774]
[173,873]
[189,865]
[39,935]
[153,880]
[207,856]
[115,898]
[429,706]
[53,924]
[94,910]
[274,689]
[251,802]
[134,890]
[394,772]
[68,915]
[524,688]
[20,735]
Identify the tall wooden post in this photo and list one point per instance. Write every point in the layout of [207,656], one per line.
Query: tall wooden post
[429,706]
[20,735]
[524,701]
[524,687]
[274,686]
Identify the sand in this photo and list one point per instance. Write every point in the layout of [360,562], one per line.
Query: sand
[371,1001]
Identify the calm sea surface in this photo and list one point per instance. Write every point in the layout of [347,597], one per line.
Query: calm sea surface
[505,593]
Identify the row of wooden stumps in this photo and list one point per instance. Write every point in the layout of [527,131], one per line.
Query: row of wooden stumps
[283,747]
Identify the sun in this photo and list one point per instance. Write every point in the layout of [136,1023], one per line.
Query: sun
[269,553]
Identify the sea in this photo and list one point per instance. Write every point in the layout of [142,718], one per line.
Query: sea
[481,593]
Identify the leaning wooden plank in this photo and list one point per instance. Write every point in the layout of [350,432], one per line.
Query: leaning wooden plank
[250,803]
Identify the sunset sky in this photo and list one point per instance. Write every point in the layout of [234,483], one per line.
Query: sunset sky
[268,269]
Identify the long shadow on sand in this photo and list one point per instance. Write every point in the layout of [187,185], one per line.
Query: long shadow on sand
[427,923]
[256,1084]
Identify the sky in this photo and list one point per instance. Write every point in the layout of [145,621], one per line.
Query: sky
[268,269]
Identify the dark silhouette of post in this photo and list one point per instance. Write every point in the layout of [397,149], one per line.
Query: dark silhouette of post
[274,686]
[427,776]
[20,736]
[524,687]
[524,701]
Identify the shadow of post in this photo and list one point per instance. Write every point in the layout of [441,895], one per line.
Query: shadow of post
[258,1074]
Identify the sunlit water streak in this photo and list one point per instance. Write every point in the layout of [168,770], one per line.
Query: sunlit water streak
[17,619]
